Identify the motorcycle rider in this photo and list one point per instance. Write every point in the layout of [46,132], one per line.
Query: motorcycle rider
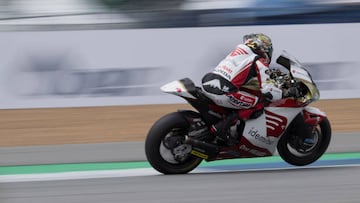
[241,82]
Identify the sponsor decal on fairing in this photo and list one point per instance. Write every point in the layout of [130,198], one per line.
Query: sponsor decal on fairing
[275,124]
[236,102]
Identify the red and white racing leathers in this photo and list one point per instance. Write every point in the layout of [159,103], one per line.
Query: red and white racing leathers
[240,80]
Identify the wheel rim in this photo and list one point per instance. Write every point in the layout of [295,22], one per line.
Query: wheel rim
[172,148]
[300,150]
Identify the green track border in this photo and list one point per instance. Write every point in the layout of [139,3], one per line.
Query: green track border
[77,167]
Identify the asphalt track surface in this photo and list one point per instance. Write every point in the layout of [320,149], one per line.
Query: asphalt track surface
[334,178]
[119,151]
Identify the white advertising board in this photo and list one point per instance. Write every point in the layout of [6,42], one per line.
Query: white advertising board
[127,67]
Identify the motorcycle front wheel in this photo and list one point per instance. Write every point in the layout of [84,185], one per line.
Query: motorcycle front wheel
[165,148]
[291,151]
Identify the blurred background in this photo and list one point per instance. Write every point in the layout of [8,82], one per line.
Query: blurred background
[107,14]
[69,53]
[82,78]
[113,55]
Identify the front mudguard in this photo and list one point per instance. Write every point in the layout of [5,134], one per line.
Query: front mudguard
[313,116]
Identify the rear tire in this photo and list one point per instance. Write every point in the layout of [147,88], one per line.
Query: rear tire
[159,155]
[292,154]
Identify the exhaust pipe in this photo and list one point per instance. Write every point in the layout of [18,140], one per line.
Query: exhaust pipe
[203,147]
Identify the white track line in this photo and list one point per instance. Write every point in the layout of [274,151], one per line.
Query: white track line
[77,175]
[130,173]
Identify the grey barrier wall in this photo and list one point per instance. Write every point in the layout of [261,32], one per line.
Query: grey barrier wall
[127,66]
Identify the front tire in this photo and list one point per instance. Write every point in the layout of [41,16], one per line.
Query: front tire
[171,128]
[295,155]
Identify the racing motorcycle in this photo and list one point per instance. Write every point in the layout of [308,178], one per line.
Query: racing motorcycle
[178,142]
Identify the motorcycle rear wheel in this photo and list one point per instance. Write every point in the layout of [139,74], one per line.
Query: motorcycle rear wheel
[164,136]
[295,155]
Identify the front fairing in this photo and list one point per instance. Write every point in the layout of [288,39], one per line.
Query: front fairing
[299,73]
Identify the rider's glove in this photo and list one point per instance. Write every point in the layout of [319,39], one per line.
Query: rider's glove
[268,97]
[291,92]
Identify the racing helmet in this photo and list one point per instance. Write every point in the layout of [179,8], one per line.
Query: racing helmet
[260,44]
